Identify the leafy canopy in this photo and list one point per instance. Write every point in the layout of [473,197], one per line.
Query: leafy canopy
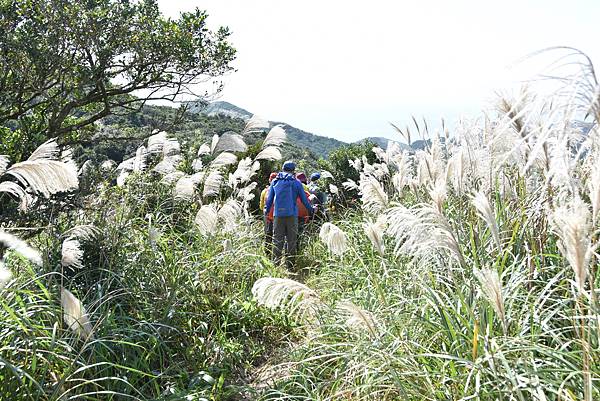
[66,64]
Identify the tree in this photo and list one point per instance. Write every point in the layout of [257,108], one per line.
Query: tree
[66,64]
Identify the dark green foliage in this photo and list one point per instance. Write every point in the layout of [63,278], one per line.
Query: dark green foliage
[66,64]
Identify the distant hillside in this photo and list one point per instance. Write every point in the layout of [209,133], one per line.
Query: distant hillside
[319,145]
[383,142]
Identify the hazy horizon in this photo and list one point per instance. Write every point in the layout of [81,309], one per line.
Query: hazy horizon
[346,69]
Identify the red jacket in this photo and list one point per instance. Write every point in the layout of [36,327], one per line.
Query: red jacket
[302,211]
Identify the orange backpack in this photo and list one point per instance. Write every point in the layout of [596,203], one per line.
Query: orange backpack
[302,211]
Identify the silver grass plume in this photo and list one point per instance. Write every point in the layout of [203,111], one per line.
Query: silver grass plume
[420,231]
[21,247]
[227,245]
[223,159]
[4,162]
[486,212]
[572,223]
[75,314]
[297,298]
[45,176]
[246,193]
[333,189]
[139,163]
[356,164]
[334,238]
[197,165]
[203,150]
[14,189]
[269,153]
[326,174]
[85,232]
[49,150]
[358,318]
[122,177]
[380,154]
[86,168]
[372,193]
[170,178]
[230,142]
[5,275]
[71,254]
[167,165]
[439,194]
[212,184]
[229,215]
[245,170]
[108,165]
[491,287]
[213,143]
[275,137]
[156,142]
[375,231]
[350,185]
[185,188]
[255,124]
[593,185]
[206,219]
[171,147]
[126,165]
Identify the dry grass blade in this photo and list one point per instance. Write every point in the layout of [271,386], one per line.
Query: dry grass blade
[287,294]
[44,176]
[75,314]
[71,254]
[21,247]
[206,219]
[275,137]
[269,153]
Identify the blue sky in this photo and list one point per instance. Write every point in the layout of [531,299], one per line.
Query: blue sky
[344,69]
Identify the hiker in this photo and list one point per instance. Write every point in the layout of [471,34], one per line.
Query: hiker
[321,196]
[303,214]
[268,217]
[282,195]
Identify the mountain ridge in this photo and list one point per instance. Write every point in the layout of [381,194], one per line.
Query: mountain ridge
[319,144]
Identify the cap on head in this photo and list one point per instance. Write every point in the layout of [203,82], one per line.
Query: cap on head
[272,176]
[301,177]
[315,176]
[289,166]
